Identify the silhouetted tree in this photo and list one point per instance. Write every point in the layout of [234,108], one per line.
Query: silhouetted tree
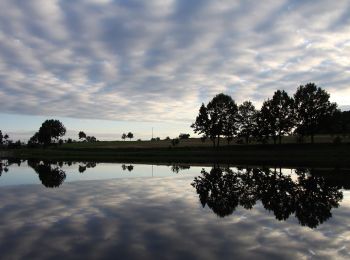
[202,125]
[124,136]
[247,120]
[282,110]
[338,123]
[276,116]
[217,119]
[265,123]
[130,135]
[82,135]
[312,105]
[50,131]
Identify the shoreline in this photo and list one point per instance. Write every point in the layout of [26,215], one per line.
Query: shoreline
[292,155]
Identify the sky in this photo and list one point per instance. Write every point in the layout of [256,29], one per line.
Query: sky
[113,66]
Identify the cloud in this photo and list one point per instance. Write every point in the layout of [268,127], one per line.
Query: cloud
[158,60]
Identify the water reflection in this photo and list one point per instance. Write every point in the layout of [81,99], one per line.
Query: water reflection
[160,218]
[5,164]
[50,174]
[130,167]
[85,165]
[308,196]
[176,168]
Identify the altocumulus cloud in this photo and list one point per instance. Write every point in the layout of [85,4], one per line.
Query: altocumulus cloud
[158,60]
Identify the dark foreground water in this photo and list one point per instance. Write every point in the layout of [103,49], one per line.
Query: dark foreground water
[123,211]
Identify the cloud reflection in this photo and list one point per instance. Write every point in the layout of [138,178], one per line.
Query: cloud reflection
[148,219]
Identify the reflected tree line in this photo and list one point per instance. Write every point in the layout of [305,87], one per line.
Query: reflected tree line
[51,173]
[310,196]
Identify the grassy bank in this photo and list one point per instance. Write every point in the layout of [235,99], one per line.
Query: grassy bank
[321,154]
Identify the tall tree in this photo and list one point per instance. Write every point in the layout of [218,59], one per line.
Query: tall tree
[130,135]
[217,119]
[312,106]
[282,110]
[265,123]
[276,116]
[222,111]
[50,131]
[124,136]
[247,120]
[202,125]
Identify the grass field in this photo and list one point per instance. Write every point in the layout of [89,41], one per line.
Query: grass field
[293,155]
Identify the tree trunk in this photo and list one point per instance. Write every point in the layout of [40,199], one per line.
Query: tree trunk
[280,139]
[274,139]
[312,138]
[218,140]
[246,139]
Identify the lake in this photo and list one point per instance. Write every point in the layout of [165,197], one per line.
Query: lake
[92,210]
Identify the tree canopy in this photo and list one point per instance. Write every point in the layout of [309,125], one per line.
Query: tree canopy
[308,112]
[247,116]
[312,106]
[217,119]
[82,135]
[276,117]
[130,135]
[50,131]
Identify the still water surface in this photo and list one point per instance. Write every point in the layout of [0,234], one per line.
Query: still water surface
[132,211]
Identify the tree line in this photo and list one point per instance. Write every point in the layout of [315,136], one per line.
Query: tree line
[306,113]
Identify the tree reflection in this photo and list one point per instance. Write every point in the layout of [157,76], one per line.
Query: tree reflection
[85,165]
[5,164]
[176,168]
[3,167]
[310,197]
[128,167]
[50,173]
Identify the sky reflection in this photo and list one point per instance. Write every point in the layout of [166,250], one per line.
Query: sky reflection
[153,218]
